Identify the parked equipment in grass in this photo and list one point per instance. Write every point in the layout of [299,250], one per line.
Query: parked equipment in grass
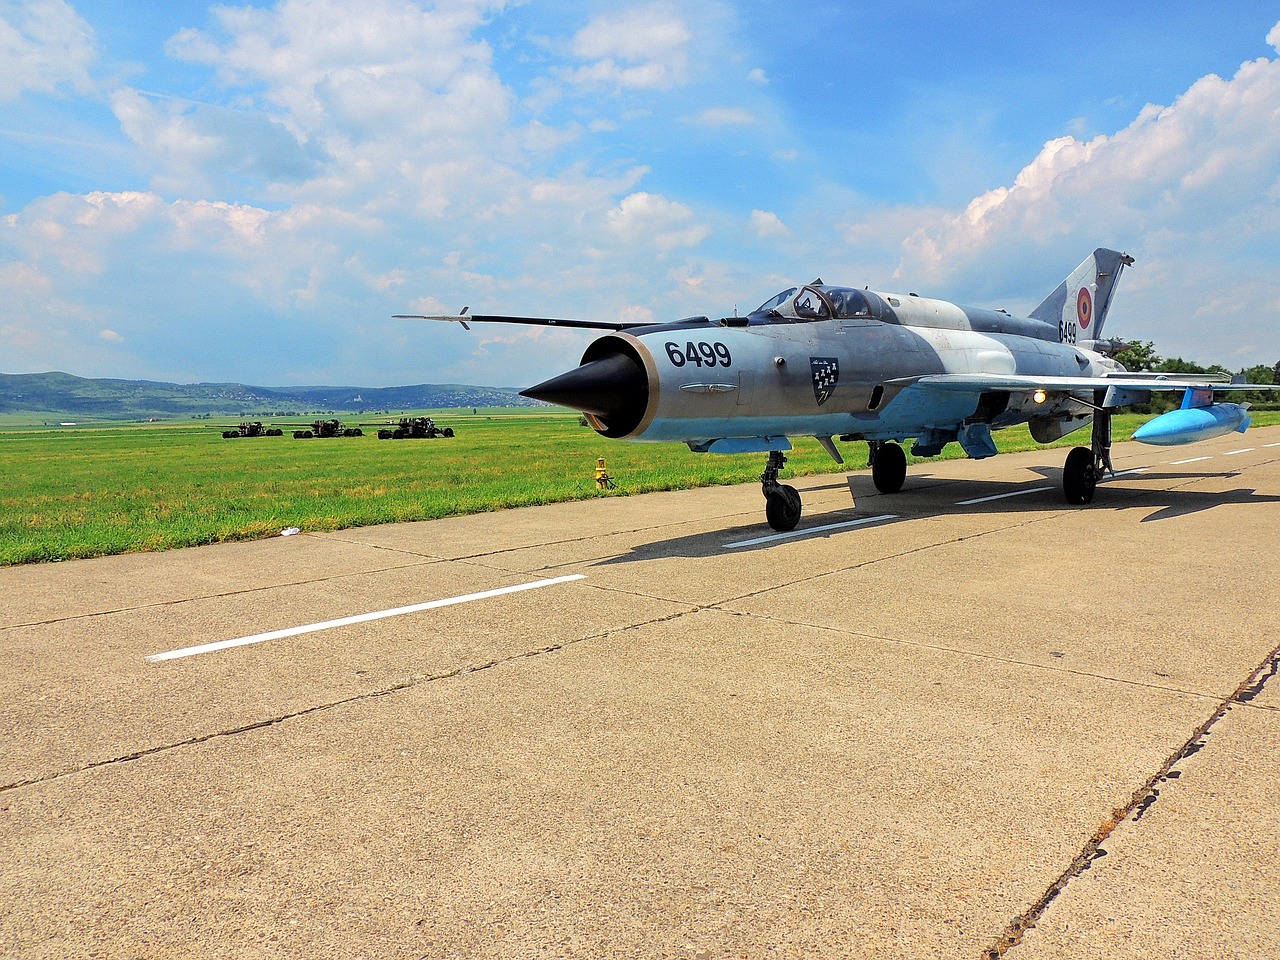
[327,428]
[254,429]
[414,428]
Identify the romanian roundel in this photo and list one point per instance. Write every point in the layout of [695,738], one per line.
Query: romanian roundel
[1084,308]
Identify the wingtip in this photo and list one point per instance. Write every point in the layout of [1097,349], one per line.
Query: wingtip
[445,318]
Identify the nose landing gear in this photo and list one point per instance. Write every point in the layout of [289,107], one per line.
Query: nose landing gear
[782,504]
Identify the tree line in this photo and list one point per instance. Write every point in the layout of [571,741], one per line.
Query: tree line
[1142,357]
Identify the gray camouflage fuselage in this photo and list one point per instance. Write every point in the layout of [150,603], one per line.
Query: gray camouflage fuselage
[759,380]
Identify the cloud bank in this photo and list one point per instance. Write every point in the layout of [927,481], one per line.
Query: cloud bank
[340,164]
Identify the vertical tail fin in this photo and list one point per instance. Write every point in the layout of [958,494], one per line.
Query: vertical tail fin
[1080,303]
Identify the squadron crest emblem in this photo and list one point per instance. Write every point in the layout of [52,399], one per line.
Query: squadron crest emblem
[826,374]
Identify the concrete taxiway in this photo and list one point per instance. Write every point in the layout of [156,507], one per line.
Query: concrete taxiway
[959,721]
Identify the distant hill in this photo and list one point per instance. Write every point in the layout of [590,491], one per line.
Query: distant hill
[62,393]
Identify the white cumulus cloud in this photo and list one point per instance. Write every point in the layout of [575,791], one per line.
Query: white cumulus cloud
[643,48]
[766,225]
[44,46]
[645,218]
[1190,189]
[1198,167]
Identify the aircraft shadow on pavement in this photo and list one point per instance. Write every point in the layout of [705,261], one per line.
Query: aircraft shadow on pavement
[1178,503]
[925,497]
[948,496]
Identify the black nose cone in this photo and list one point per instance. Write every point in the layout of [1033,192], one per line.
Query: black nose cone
[606,388]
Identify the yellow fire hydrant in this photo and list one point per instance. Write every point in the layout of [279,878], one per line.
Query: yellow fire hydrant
[603,480]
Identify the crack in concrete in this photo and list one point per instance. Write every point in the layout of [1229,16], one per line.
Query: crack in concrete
[629,531]
[406,684]
[1140,802]
[994,658]
[419,559]
[157,604]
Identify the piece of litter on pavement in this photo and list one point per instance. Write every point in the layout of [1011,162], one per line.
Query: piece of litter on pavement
[289,531]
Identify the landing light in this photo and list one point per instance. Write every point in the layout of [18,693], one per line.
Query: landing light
[1038,396]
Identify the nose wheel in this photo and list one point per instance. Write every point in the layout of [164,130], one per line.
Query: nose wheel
[782,504]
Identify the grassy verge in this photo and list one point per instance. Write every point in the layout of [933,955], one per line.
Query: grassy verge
[90,492]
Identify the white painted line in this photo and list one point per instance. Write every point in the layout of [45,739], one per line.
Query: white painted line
[1001,496]
[1232,453]
[1277,444]
[358,618]
[1178,463]
[1125,473]
[808,531]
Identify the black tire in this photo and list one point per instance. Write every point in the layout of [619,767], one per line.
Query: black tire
[889,471]
[229,434]
[1079,479]
[448,431]
[782,508]
[384,434]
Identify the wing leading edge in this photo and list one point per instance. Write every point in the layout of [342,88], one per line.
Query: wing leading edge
[466,319]
[1121,386]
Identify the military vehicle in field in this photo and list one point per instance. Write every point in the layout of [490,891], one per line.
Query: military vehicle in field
[254,429]
[414,428]
[327,428]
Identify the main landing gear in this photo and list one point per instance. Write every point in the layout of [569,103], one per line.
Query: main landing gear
[888,465]
[1085,466]
[781,503]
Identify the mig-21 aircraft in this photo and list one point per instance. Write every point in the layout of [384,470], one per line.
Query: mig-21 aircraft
[828,361]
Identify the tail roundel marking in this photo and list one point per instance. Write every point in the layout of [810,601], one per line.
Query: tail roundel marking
[1084,307]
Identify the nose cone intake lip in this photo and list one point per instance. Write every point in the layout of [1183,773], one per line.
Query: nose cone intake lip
[604,388]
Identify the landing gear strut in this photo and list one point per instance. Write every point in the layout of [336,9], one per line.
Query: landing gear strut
[1086,466]
[781,503]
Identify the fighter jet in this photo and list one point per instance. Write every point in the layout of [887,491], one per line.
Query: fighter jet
[828,361]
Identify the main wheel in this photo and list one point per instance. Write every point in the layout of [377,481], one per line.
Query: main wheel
[889,470]
[782,508]
[1079,478]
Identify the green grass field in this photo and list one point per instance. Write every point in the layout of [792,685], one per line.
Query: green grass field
[93,490]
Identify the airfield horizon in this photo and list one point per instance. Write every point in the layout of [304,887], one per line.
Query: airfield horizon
[102,489]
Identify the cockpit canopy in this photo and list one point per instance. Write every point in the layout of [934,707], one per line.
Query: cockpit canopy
[815,301]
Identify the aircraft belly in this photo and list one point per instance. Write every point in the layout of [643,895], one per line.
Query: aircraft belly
[916,410]
[703,429]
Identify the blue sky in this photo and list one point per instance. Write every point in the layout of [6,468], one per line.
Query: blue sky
[192,192]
